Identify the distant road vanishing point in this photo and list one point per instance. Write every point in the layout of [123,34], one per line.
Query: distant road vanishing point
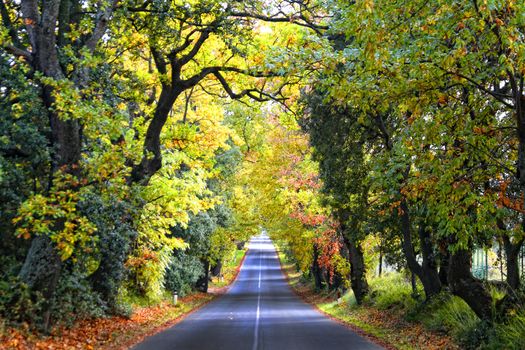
[258,312]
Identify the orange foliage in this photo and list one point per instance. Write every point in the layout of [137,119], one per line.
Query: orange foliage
[508,202]
[329,245]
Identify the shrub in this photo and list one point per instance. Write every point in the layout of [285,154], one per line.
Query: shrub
[17,304]
[75,300]
[183,272]
[115,233]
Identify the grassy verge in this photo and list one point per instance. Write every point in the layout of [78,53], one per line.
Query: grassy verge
[119,332]
[383,319]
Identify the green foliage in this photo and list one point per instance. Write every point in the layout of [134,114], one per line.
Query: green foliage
[75,299]
[508,335]
[24,155]
[391,291]
[183,273]
[18,304]
[452,315]
[410,102]
[116,234]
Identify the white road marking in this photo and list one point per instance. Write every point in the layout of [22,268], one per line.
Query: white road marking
[256,331]
[259,284]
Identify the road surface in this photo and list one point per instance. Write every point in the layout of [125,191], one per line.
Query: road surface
[259,312]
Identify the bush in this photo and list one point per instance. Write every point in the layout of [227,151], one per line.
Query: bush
[75,300]
[17,304]
[183,272]
[115,233]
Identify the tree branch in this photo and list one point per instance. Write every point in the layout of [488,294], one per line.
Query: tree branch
[19,52]
[160,63]
[499,97]
[103,16]
[205,34]
[187,42]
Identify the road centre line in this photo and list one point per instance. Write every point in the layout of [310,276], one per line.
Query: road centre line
[257,317]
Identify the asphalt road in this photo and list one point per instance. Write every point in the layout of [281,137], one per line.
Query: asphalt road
[258,312]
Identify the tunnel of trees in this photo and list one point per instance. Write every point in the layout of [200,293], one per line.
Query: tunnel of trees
[142,141]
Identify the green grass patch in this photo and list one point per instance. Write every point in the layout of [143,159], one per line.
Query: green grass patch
[448,314]
[391,291]
[508,335]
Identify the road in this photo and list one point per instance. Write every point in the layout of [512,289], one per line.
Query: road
[258,312]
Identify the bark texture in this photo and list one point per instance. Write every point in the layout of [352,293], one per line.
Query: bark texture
[426,271]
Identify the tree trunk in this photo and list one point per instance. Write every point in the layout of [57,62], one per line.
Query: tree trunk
[41,271]
[202,282]
[380,269]
[42,266]
[512,251]
[413,284]
[216,269]
[443,268]
[357,267]
[358,271]
[316,270]
[467,287]
[427,271]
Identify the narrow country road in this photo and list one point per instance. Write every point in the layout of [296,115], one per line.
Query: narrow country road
[259,312]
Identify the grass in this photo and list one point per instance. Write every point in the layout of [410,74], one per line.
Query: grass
[392,291]
[508,335]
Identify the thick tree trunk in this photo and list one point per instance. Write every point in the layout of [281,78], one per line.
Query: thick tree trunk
[427,271]
[467,287]
[429,265]
[512,251]
[41,271]
[358,280]
[443,268]
[357,271]
[413,284]
[42,266]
